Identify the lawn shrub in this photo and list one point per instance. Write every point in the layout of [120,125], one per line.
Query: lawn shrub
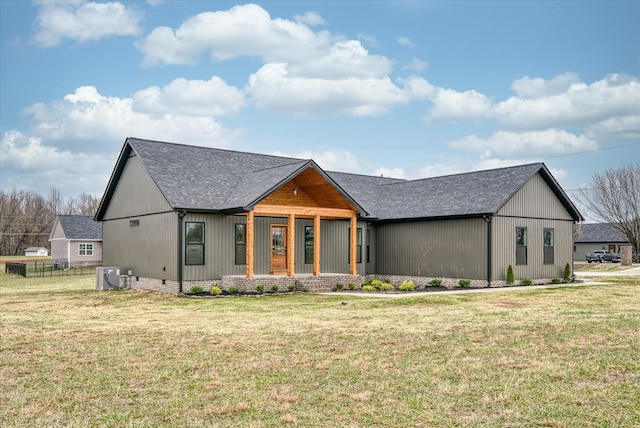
[234,290]
[381,285]
[556,280]
[260,288]
[368,288]
[435,282]
[526,281]
[215,290]
[274,288]
[407,286]
[338,286]
[566,273]
[352,286]
[510,276]
[291,288]
[196,289]
[464,282]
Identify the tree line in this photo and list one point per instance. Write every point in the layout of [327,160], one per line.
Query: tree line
[26,217]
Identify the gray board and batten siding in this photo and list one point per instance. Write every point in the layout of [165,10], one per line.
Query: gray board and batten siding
[436,227]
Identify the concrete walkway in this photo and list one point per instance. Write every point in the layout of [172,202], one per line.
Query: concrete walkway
[582,279]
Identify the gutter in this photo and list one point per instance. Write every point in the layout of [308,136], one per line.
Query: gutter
[181,215]
[487,219]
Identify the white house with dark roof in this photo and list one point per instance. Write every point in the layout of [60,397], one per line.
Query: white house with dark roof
[36,252]
[76,240]
[177,216]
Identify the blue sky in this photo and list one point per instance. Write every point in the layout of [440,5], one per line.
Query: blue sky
[403,89]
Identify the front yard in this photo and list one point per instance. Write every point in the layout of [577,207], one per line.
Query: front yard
[71,356]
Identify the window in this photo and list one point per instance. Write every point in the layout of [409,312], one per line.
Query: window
[521,245]
[241,244]
[368,243]
[549,243]
[194,243]
[358,245]
[308,244]
[85,249]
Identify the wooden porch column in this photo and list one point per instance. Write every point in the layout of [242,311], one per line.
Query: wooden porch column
[250,244]
[353,269]
[291,246]
[316,245]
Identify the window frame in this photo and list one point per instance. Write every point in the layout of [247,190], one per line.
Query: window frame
[521,245]
[240,246]
[548,255]
[190,244]
[309,244]
[358,245]
[85,249]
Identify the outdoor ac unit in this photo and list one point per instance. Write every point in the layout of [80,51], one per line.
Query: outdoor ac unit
[107,278]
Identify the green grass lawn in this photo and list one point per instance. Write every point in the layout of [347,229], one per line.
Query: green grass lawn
[561,357]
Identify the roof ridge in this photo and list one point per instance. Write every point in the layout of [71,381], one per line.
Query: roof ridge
[212,148]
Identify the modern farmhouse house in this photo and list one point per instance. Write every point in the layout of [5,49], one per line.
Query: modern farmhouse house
[176,216]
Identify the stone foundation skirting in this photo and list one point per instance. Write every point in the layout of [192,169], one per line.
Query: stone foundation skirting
[303,282]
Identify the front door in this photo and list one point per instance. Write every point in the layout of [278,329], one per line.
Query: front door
[278,249]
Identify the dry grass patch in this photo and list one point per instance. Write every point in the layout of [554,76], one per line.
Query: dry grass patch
[71,356]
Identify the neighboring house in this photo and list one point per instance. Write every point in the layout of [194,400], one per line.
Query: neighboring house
[76,240]
[597,236]
[36,252]
[177,216]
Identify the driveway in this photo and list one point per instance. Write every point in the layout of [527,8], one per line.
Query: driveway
[633,271]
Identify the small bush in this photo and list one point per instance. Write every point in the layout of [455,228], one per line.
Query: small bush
[351,286]
[234,290]
[510,276]
[464,282]
[526,281]
[566,273]
[274,288]
[368,281]
[381,285]
[368,288]
[407,286]
[556,280]
[291,288]
[196,289]
[338,286]
[215,290]
[260,288]
[435,282]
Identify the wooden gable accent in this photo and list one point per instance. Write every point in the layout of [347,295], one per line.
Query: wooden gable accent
[308,189]
[308,195]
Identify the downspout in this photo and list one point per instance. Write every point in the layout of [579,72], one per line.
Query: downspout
[487,219]
[181,215]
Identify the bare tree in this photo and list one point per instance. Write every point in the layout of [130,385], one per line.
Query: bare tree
[614,198]
[577,231]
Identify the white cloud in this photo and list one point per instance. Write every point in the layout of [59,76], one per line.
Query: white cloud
[329,160]
[86,120]
[453,106]
[190,97]
[272,88]
[579,105]
[416,64]
[310,18]
[405,41]
[28,163]
[83,21]
[242,30]
[527,87]
[504,145]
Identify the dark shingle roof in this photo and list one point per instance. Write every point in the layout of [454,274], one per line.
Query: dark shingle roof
[600,232]
[80,227]
[201,178]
